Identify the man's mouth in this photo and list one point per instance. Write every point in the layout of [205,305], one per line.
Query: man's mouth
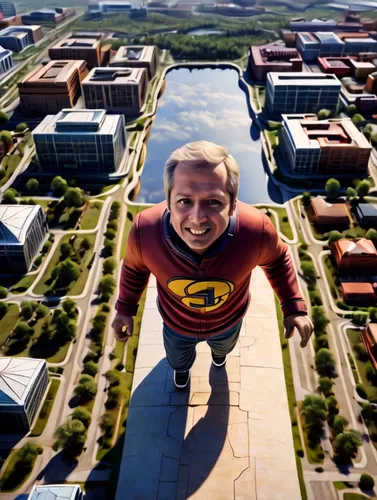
[197,232]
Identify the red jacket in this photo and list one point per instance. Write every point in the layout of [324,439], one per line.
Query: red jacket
[209,296]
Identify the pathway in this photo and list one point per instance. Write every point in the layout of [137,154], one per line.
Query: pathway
[229,435]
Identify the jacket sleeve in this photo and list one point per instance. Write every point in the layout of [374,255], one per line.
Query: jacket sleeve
[278,267]
[134,275]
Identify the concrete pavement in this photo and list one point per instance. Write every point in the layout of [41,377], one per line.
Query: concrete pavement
[229,435]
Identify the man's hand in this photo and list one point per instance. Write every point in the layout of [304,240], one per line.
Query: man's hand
[123,327]
[303,325]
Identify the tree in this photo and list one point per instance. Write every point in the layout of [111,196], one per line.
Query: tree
[373,140]
[82,414]
[372,235]
[9,196]
[332,405]
[363,188]
[325,363]
[339,424]
[66,272]
[350,193]
[3,292]
[110,234]
[332,188]
[108,248]
[74,197]
[106,286]
[41,311]
[65,250]
[3,117]
[358,119]
[367,133]
[323,114]
[320,320]
[21,127]
[71,434]
[59,186]
[315,413]
[91,368]
[85,243]
[26,310]
[306,199]
[325,385]
[32,186]
[108,265]
[115,210]
[351,110]
[366,482]
[107,424]
[347,443]
[112,377]
[372,311]
[69,306]
[113,397]
[87,388]
[22,330]
[334,236]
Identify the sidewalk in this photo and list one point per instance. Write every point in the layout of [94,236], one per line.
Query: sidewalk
[229,435]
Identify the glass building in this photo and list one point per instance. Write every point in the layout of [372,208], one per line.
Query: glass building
[81,141]
[23,383]
[23,229]
[56,492]
[6,61]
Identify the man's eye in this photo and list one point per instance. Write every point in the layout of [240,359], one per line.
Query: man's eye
[184,201]
[214,203]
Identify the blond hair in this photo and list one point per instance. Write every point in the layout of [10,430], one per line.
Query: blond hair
[202,154]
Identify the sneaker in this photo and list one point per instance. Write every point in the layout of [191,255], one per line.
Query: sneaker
[181,379]
[218,360]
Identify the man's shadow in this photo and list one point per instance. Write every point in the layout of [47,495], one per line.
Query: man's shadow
[159,460]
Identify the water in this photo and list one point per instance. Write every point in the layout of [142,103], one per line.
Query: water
[205,104]
[205,32]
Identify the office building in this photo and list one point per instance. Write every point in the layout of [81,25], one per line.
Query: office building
[369,339]
[137,56]
[80,142]
[338,66]
[313,26]
[371,85]
[355,45]
[330,215]
[272,57]
[301,92]
[358,256]
[50,88]
[23,229]
[80,47]
[321,44]
[323,147]
[358,294]
[121,90]
[6,61]
[23,383]
[111,7]
[48,16]
[366,214]
[8,9]
[17,38]
[56,492]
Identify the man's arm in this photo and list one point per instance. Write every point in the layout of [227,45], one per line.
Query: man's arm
[133,281]
[278,267]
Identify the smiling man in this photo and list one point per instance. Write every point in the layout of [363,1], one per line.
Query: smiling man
[202,245]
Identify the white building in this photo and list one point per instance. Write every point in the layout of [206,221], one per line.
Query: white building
[115,6]
[6,61]
[137,56]
[23,382]
[23,229]
[56,492]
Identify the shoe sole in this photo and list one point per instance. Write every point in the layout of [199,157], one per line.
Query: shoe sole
[220,364]
[181,386]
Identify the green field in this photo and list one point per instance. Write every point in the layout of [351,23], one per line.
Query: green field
[91,215]
[8,322]
[46,408]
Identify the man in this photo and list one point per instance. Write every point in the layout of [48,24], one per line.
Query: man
[202,245]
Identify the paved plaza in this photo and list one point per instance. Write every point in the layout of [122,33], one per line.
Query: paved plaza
[229,435]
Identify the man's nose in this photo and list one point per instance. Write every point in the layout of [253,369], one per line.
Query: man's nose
[197,213]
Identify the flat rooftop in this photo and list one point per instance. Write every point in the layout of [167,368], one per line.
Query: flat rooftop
[79,121]
[53,72]
[15,220]
[17,376]
[85,43]
[303,79]
[135,53]
[117,76]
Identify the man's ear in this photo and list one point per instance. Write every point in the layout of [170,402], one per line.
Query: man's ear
[233,208]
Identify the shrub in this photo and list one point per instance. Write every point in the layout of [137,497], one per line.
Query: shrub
[32,186]
[363,188]
[21,127]
[360,318]
[371,374]
[315,298]
[107,425]
[361,391]
[3,117]
[9,196]
[361,352]
[109,265]
[321,342]
[366,482]
[308,271]
[332,188]
[110,234]
[115,210]
[59,186]
[339,424]
[372,235]
[325,385]
[3,292]
[82,414]
[325,363]
[26,310]
[113,397]
[319,318]
[323,114]
[38,261]
[91,368]
[334,236]
[108,249]
[332,405]
[358,119]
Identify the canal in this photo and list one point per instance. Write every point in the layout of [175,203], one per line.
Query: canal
[206,104]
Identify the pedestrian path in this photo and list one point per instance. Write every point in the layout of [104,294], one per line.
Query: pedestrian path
[229,435]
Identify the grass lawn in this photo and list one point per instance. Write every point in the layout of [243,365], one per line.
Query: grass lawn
[13,476]
[371,390]
[132,210]
[46,408]
[91,215]
[9,164]
[23,284]
[314,452]
[291,397]
[342,485]
[330,269]
[285,226]
[45,285]
[354,496]
[8,322]
[39,201]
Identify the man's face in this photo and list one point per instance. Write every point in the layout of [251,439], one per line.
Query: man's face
[200,205]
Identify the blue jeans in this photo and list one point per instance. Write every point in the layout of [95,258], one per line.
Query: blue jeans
[180,350]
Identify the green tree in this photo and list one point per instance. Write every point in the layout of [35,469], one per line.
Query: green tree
[74,197]
[115,210]
[113,397]
[358,120]
[110,234]
[32,186]
[41,311]
[65,273]
[82,414]
[65,250]
[339,424]
[3,292]
[91,368]
[325,385]
[350,193]
[351,110]
[70,308]
[26,310]
[72,434]
[85,243]
[363,188]
[22,330]
[59,186]
[306,199]
[106,286]
[372,235]
[332,405]
[325,363]
[109,265]
[347,443]
[373,140]
[323,114]
[308,271]
[21,127]
[108,248]
[320,320]
[87,388]
[315,413]
[9,196]
[112,377]
[332,188]
[366,482]
[367,133]
[334,236]
[3,117]
[107,424]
